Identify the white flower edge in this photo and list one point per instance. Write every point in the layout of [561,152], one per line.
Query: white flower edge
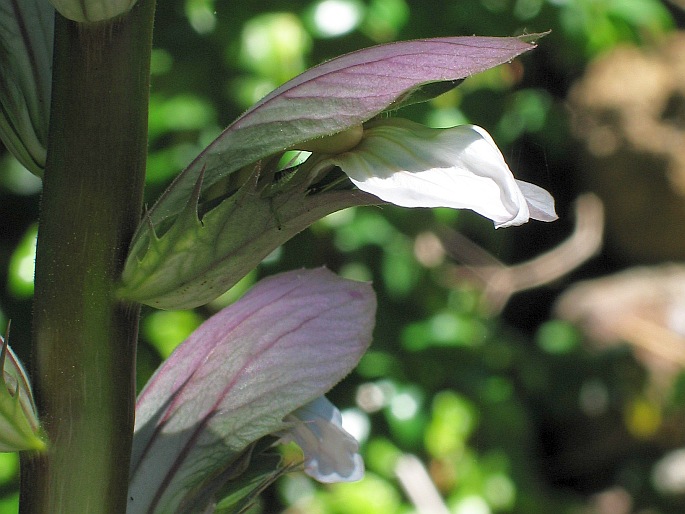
[330,453]
[410,165]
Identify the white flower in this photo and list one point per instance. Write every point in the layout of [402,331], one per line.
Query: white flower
[236,378]
[410,165]
[330,453]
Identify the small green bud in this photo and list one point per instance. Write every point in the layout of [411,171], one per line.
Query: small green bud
[337,143]
[92,11]
[19,427]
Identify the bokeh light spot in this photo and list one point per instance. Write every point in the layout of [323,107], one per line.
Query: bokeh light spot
[336,17]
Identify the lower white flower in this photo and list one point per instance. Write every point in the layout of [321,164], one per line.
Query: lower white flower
[330,453]
[410,165]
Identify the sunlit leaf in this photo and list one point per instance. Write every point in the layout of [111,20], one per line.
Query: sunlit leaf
[286,342]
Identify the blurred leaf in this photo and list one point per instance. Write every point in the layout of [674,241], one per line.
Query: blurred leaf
[601,24]
[362,227]
[378,364]
[385,19]
[382,455]
[527,112]
[452,421]
[444,329]
[558,337]
[201,15]
[405,415]
[274,45]
[470,504]
[9,470]
[163,164]
[161,62]
[21,266]
[179,113]
[247,90]
[167,329]
[372,495]
[643,417]
[400,271]
[9,505]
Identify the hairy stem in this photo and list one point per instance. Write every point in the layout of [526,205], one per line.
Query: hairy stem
[84,339]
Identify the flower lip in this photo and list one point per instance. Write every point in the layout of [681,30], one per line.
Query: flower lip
[410,165]
[331,454]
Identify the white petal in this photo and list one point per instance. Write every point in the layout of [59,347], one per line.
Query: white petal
[330,453]
[540,202]
[410,165]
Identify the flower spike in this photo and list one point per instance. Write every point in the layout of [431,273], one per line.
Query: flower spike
[234,380]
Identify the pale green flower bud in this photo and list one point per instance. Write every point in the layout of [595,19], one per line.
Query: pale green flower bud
[19,427]
[196,260]
[92,11]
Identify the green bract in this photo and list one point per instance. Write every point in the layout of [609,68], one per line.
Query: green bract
[19,428]
[214,224]
[197,260]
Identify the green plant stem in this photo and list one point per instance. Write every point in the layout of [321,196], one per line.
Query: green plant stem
[84,339]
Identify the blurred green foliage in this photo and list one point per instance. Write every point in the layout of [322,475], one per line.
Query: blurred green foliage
[508,413]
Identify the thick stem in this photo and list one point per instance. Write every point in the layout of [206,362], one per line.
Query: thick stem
[84,339]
